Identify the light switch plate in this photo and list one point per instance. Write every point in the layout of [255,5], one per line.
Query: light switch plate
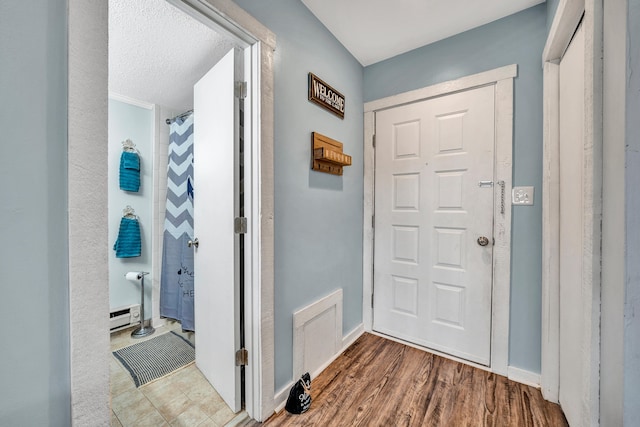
[522,196]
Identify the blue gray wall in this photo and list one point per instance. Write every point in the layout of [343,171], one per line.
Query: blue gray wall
[515,39]
[552,7]
[34,373]
[318,217]
[128,121]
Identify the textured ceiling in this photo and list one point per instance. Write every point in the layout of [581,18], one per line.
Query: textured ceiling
[157,52]
[374,30]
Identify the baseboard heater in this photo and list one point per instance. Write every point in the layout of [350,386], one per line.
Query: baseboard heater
[124,317]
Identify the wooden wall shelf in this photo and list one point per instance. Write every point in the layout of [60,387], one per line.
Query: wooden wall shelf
[327,155]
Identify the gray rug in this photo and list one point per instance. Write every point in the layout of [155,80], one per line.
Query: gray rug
[155,358]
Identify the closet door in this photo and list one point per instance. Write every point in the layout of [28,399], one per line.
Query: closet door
[216,196]
[574,391]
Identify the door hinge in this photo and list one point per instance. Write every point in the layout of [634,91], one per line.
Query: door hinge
[372,299]
[242,357]
[374,141]
[240,225]
[373,221]
[241,90]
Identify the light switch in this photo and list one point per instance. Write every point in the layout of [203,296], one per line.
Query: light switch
[522,196]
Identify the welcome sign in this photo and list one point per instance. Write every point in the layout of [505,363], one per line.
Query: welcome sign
[326,96]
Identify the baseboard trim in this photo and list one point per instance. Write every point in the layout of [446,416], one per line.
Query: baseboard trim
[351,337]
[158,322]
[524,377]
[280,398]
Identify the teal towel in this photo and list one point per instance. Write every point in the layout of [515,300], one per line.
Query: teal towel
[129,171]
[130,160]
[129,243]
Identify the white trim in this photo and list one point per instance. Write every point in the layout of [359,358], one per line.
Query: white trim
[501,295]
[524,377]
[227,18]
[593,199]
[448,87]
[351,337]
[564,24]
[263,290]
[550,339]
[562,28]
[130,101]
[369,157]
[252,301]
[156,222]
[502,78]
[281,398]
[88,92]
[305,315]
[614,372]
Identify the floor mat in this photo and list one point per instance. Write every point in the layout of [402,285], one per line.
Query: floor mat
[155,358]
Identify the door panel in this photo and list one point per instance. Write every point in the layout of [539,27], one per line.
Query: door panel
[216,282]
[432,279]
[571,230]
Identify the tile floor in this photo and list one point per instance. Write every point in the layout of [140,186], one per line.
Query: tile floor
[182,398]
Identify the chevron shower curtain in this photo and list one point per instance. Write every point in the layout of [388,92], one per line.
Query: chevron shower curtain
[176,282]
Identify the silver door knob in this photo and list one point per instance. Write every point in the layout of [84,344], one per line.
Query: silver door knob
[483,241]
[194,243]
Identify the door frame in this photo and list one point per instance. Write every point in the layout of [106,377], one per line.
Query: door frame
[502,79]
[87,110]
[566,20]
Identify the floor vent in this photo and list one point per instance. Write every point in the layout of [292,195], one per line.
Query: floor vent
[124,317]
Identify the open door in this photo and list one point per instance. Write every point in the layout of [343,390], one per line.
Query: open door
[216,204]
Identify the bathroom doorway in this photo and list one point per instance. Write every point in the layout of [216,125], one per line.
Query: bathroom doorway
[157,53]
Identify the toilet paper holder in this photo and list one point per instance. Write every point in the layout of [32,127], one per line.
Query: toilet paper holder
[143,330]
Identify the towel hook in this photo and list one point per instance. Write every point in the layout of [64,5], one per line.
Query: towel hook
[129,212]
[129,145]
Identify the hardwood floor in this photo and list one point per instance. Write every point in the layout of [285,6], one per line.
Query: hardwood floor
[378,382]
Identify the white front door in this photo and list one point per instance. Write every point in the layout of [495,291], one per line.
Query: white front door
[433,208]
[573,393]
[216,201]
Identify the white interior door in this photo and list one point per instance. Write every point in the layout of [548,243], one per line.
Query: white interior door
[573,393]
[216,196]
[433,201]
